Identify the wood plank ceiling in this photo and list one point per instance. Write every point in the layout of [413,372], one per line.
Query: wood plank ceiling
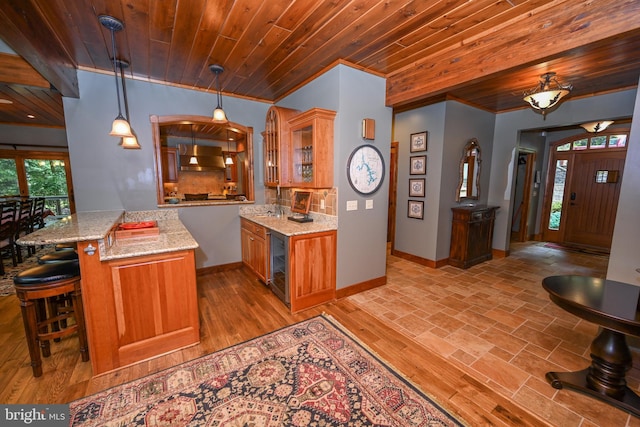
[481,52]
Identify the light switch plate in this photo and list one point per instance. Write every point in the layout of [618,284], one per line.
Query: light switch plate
[368,204]
[352,205]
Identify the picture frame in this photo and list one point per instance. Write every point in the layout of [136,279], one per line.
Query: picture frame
[418,165]
[415,209]
[416,187]
[418,142]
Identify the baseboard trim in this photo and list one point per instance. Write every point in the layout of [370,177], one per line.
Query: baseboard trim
[498,253]
[217,268]
[361,287]
[419,260]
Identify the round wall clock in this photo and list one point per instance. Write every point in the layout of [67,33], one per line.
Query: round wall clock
[365,169]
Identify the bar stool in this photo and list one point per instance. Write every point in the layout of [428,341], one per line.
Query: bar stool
[58,256]
[38,288]
[66,246]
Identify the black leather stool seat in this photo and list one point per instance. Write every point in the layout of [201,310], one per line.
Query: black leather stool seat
[66,246]
[57,256]
[46,273]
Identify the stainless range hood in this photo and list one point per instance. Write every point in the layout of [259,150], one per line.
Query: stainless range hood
[209,158]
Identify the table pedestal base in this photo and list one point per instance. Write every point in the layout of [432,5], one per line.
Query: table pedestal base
[605,378]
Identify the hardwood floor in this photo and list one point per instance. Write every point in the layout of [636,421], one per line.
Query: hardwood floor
[235,307]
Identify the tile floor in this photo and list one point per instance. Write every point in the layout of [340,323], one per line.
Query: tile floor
[495,321]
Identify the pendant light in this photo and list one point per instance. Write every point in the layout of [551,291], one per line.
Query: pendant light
[128,142]
[547,94]
[193,160]
[228,160]
[219,115]
[120,126]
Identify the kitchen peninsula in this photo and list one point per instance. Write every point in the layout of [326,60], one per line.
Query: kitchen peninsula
[139,294]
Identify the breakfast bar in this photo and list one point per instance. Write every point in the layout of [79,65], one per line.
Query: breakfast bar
[138,289]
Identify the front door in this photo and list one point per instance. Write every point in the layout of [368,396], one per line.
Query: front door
[593,199]
[582,192]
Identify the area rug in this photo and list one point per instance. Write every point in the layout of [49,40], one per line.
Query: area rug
[313,373]
[6,280]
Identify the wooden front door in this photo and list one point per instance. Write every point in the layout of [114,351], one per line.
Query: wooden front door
[593,202]
[583,187]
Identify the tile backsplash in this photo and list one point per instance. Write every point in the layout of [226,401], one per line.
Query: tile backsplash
[328,195]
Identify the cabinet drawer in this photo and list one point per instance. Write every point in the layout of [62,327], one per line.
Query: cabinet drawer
[254,228]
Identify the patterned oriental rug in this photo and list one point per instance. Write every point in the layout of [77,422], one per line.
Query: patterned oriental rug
[313,373]
[6,280]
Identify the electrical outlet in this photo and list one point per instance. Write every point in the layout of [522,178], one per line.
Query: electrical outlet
[322,204]
[352,205]
[368,204]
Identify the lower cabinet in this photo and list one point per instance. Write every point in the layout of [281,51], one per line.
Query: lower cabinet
[471,235]
[312,269]
[254,247]
[138,308]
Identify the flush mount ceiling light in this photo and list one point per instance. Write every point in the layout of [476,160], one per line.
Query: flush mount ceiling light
[219,115]
[120,126]
[547,93]
[595,127]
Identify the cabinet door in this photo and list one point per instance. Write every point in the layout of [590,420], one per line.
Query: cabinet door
[312,271]
[254,248]
[276,146]
[169,165]
[311,150]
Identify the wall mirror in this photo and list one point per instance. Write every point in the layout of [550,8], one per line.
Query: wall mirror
[200,160]
[469,183]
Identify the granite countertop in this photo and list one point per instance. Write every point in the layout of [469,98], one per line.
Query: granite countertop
[260,215]
[83,226]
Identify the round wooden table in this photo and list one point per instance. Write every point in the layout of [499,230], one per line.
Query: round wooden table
[614,306]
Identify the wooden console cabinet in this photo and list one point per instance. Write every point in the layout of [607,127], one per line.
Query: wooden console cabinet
[471,235]
[254,244]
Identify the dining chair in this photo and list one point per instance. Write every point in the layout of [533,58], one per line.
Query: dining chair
[23,225]
[8,211]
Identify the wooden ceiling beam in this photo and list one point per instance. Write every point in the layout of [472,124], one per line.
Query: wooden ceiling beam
[15,70]
[533,39]
[25,29]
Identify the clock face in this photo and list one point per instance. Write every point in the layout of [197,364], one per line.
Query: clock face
[365,169]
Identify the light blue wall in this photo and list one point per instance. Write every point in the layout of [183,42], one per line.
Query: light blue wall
[107,177]
[355,95]
[450,125]
[505,143]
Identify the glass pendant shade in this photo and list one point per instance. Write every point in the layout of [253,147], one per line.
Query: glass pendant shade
[595,127]
[120,127]
[219,116]
[228,160]
[547,94]
[130,142]
[193,160]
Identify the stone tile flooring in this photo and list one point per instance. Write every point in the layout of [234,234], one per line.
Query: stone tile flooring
[496,322]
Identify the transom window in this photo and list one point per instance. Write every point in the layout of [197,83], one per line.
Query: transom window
[596,142]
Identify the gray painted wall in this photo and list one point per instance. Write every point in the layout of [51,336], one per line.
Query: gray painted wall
[107,177]
[450,125]
[624,261]
[361,234]
[505,143]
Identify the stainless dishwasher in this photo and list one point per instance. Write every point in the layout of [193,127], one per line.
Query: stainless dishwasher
[278,279]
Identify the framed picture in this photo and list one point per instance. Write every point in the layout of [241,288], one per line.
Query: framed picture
[418,142]
[415,209]
[416,187]
[418,165]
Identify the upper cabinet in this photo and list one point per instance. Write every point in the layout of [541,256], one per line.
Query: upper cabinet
[276,146]
[169,164]
[312,149]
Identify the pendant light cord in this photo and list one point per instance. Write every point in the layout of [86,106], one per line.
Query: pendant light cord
[115,70]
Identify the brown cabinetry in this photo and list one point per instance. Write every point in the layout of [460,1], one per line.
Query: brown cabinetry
[311,149]
[312,269]
[471,235]
[254,244]
[276,146]
[138,308]
[169,164]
